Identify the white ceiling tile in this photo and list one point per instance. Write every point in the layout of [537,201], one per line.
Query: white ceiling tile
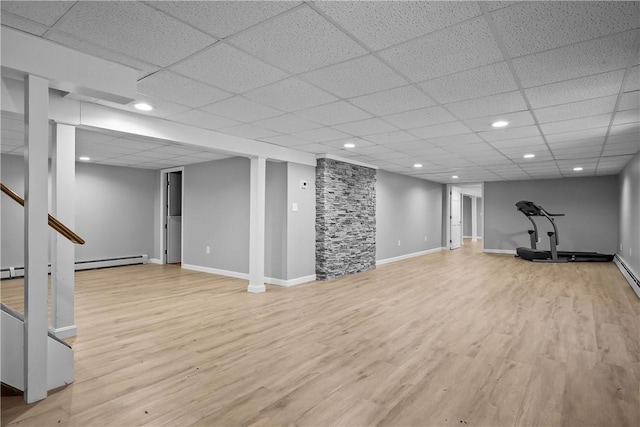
[393,101]
[241,109]
[43,12]
[290,95]
[298,41]
[629,101]
[249,131]
[158,155]
[467,138]
[173,87]
[573,110]
[531,142]
[579,89]
[387,155]
[223,19]
[204,120]
[412,145]
[366,127]
[627,128]
[144,68]
[532,27]
[159,39]
[580,153]
[615,160]
[420,118]
[620,150]
[288,123]
[161,108]
[633,80]
[356,77]
[445,129]
[391,137]
[24,25]
[578,143]
[489,105]
[334,113]
[579,60]
[577,135]
[359,142]
[510,133]
[576,124]
[630,138]
[321,134]
[483,81]
[457,48]
[628,116]
[519,119]
[229,69]
[383,24]
[495,5]
[316,149]
[469,150]
[286,140]
[132,143]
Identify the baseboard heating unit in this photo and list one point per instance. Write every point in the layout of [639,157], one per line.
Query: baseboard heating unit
[632,279]
[11,272]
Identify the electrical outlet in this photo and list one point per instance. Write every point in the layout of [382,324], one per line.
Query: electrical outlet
[539,240]
[398,242]
[620,247]
[425,238]
[208,249]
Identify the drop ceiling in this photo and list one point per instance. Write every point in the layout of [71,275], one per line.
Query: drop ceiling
[406,82]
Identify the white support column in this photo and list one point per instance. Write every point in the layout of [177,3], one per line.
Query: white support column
[36,109]
[63,174]
[256,225]
[474,219]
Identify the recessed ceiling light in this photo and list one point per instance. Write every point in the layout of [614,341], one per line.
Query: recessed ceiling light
[500,124]
[577,168]
[84,158]
[417,165]
[143,106]
[349,145]
[529,156]
[455,177]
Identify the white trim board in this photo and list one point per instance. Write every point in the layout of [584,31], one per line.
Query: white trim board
[344,160]
[407,256]
[290,282]
[219,272]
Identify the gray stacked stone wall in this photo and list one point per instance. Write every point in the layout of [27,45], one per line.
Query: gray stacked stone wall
[345,219]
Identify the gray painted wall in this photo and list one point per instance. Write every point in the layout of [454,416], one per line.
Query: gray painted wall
[629,236]
[408,209]
[216,214]
[275,255]
[114,211]
[480,221]
[301,231]
[590,205]
[466,217]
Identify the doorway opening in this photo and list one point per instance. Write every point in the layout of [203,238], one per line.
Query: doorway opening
[172,192]
[464,217]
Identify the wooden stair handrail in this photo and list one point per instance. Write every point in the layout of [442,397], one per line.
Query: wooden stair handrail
[53,222]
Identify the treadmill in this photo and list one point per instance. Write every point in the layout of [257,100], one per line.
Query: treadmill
[530,210]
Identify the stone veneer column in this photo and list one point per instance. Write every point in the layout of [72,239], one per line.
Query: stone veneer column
[345,219]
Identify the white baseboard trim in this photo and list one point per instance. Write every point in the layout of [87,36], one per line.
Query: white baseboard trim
[217,271]
[500,251]
[631,277]
[407,256]
[155,261]
[290,282]
[66,332]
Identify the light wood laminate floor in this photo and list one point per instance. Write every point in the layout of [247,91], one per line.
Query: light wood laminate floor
[452,338]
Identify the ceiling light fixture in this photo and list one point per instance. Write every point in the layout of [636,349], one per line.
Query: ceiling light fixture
[577,168]
[529,156]
[455,177]
[143,106]
[84,158]
[349,145]
[500,124]
[417,165]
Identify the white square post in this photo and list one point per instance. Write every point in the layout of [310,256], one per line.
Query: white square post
[256,226]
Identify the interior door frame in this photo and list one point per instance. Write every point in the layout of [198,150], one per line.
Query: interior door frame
[447,211]
[163,213]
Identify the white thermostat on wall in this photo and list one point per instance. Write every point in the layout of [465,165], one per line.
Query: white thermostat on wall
[303,185]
